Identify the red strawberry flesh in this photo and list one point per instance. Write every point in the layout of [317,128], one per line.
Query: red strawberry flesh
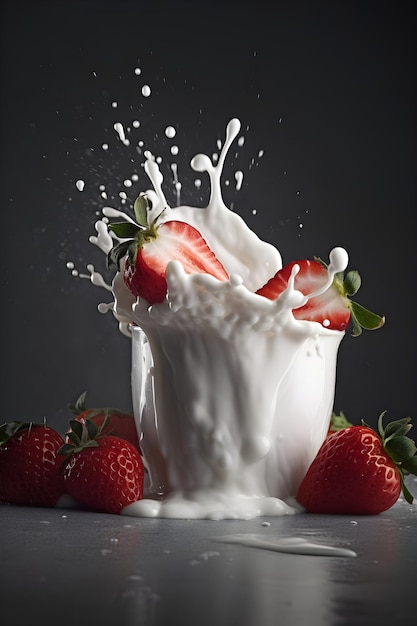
[174,240]
[331,309]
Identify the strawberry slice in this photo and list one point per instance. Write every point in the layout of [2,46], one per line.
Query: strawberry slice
[333,309]
[150,248]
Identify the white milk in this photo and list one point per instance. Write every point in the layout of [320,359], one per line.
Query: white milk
[232,395]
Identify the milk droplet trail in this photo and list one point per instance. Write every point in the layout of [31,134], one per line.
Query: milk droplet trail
[239,179]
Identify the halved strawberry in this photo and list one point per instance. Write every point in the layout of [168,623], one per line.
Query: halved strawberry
[333,309]
[150,247]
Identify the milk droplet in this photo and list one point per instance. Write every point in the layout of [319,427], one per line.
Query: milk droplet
[80,184]
[138,71]
[114,105]
[135,123]
[170,132]
[118,127]
[338,259]
[146,91]
[239,179]
[174,150]
[105,146]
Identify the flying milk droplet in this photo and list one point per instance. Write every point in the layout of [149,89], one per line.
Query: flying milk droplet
[170,132]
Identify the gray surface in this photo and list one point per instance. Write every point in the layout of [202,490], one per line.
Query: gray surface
[73,568]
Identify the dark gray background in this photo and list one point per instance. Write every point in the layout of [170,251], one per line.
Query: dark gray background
[341,78]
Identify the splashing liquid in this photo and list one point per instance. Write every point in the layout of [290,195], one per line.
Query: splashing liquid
[232,395]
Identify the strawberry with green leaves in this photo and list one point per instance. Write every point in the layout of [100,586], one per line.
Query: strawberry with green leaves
[119,423]
[30,472]
[333,309]
[359,471]
[149,248]
[102,472]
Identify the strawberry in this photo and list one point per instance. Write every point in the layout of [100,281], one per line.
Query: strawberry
[120,423]
[30,471]
[333,309]
[102,472]
[359,471]
[149,249]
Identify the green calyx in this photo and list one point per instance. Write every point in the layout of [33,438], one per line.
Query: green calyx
[360,317]
[400,448]
[80,407]
[133,236]
[8,430]
[83,436]
[338,422]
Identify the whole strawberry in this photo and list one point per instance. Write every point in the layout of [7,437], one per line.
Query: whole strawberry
[358,471]
[119,423]
[102,472]
[30,472]
[149,248]
[333,308]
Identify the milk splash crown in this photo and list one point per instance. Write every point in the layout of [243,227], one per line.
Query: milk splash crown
[232,395]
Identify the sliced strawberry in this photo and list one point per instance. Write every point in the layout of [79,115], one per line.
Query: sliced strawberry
[358,471]
[153,247]
[333,309]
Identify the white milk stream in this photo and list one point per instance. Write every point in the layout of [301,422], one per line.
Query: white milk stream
[232,395]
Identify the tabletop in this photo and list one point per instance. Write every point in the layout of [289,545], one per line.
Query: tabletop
[69,566]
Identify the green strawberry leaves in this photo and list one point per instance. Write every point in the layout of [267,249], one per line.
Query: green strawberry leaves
[360,317]
[140,209]
[11,429]
[134,235]
[83,436]
[400,448]
[337,422]
[352,283]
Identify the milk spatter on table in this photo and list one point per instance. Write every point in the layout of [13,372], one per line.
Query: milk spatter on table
[232,394]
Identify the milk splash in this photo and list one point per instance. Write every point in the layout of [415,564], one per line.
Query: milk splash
[232,395]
